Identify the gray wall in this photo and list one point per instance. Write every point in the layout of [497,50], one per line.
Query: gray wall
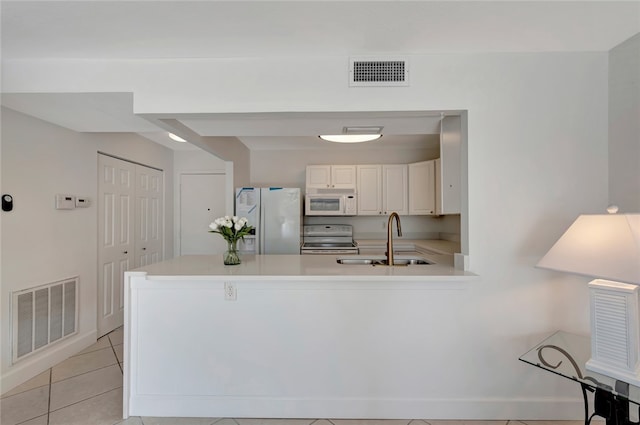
[624,125]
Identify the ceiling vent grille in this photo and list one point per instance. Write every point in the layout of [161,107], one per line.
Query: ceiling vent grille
[378,72]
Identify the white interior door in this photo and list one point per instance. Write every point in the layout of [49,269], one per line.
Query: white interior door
[148,216]
[115,239]
[202,200]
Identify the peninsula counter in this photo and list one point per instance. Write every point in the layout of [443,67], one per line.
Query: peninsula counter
[289,336]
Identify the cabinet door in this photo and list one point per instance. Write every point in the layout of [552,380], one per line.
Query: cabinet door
[369,189]
[343,176]
[422,188]
[318,176]
[450,174]
[395,189]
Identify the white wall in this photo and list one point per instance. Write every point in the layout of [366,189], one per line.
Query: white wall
[624,125]
[41,244]
[537,135]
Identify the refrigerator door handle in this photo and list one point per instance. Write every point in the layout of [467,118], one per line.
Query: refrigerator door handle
[261,231]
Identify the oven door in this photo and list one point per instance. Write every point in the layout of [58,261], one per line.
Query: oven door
[324,205]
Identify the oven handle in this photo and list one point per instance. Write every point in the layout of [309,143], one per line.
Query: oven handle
[327,251]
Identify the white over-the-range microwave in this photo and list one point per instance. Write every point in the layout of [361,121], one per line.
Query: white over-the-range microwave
[330,202]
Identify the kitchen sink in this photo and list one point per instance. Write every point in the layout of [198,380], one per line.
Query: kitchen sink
[398,260]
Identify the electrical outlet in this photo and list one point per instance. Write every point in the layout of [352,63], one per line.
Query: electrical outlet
[230,291]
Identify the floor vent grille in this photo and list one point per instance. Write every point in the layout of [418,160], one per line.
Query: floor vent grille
[378,72]
[43,315]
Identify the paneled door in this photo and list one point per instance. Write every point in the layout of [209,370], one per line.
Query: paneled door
[116,189]
[130,230]
[202,200]
[148,212]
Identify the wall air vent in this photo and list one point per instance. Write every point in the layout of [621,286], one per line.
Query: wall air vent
[378,72]
[43,315]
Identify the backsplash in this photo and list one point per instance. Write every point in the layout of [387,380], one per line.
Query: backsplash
[413,227]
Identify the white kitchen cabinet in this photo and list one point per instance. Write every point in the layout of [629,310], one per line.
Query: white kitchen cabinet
[422,188]
[449,169]
[331,177]
[382,189]
[369,178]
[395,189]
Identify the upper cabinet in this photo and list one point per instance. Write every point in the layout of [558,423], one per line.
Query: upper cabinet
[449,170]
[422,188]
[369,189]
[331,177]
[382,189]
[435,186]
[395,185]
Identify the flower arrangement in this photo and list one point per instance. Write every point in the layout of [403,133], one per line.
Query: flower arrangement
[231,229]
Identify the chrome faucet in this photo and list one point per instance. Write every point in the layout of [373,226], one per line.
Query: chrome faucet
[390,236]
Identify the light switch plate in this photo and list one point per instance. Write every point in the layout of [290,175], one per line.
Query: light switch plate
[82,202]
[65,202]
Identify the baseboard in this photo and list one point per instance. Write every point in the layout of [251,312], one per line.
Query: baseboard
[357,408]
[36,364]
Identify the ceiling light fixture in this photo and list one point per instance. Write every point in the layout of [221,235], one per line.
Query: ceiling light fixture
[350,138]
[177,138]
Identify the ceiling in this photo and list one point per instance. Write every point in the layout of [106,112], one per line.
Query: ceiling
[216,29]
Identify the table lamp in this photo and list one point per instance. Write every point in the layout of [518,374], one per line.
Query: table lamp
[607,246]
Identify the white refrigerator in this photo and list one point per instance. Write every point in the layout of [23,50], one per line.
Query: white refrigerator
[276,215]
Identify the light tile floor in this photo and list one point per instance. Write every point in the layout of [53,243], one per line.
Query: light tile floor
[86,389]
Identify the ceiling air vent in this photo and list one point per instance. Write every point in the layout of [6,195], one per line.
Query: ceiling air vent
[378,72]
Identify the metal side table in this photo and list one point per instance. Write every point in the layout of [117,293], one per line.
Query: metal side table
[565,354]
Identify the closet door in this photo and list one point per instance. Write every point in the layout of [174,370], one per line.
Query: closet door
[148,216]
[130,231]
[116,180]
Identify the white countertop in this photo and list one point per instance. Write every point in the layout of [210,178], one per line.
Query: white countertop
[293,267]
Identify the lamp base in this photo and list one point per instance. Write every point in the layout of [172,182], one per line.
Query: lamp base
[615,326]
[624,375]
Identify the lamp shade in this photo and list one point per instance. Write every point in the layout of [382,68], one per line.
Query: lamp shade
[599,245]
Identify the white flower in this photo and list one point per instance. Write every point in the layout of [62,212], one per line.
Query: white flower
[213,226]
[237,226]
[235,218]
[228,223]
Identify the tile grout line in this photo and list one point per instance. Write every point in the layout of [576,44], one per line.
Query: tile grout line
[84,373]
[86,399]
[116,356]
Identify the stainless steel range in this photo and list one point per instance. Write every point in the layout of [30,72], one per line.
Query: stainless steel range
[328,239]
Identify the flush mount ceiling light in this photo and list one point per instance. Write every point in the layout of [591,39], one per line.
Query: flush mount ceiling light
[355,135]
[350,138]
[177,138]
